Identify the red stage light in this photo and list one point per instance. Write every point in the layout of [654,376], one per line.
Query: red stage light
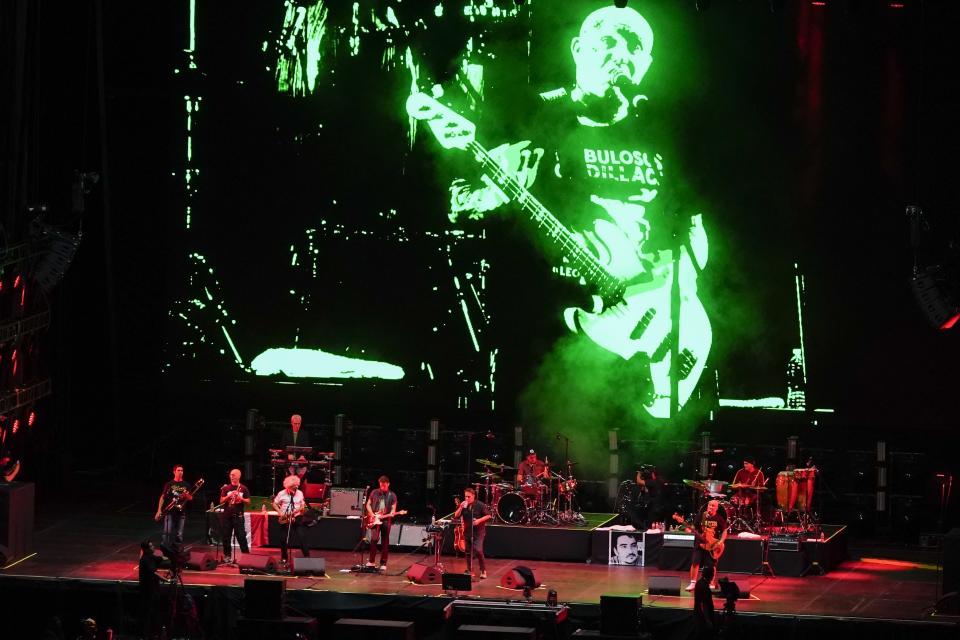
[16,282]
[16,425]
[949,323]
[31,418]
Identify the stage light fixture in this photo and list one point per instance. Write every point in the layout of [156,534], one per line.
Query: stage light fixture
[936,291]
[729,590]
[620,4]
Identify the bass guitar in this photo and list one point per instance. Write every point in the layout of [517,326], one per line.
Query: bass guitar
[708,541]
[377,519]
[632,304]
[180,499]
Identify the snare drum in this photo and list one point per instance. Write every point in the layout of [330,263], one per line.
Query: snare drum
[512,508]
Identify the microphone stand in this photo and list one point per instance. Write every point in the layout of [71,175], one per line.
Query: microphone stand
[289,529]
[360,566]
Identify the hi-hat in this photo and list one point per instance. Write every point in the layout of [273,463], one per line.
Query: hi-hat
[746,486]
[695,484]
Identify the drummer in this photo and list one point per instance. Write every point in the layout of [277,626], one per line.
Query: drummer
[749,475]
[530,471]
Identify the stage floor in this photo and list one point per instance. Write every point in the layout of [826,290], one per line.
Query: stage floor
[104,547]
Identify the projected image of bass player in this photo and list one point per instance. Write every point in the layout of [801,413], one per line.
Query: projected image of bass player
[593,180]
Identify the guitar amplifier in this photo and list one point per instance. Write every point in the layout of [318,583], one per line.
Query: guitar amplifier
[682,540]
[783,543]
[346,501]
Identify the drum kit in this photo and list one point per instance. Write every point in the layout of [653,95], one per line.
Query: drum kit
[741,503]
[550,501]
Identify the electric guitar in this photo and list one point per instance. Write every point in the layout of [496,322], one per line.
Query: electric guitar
[709,542]
[631,308]
[377,519]
[287,516]
[179,500]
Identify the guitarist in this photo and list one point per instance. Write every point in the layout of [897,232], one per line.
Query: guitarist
[175,490]
[596,158]
[382,502]
[710,529]
[290,505]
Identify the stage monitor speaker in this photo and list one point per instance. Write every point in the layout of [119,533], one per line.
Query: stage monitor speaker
[424,574]
[283,629]
[951,561]
[520,577]
[309,566]
[456,582]
[663,586]
[489,632]
[202,560]
[264,598]
[374,629]
[345,501]
[620,615]
[248,562]
[16,521]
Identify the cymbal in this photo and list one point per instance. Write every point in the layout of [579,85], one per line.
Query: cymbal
[492,476]
[491,463]
[746,486]
[694,484]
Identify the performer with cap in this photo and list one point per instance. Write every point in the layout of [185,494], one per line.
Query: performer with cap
[290,504]
[530,470]
[749,476]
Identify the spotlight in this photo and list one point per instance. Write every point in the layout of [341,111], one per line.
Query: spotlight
[9,468]
[620,4]
[730,592]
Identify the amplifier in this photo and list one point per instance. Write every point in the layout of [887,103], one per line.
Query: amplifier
[345,501]
[684,540]
[783,543]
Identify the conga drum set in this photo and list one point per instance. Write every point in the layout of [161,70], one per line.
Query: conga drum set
[741,503]
[795,497]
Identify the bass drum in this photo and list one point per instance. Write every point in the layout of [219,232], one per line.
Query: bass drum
[511,508]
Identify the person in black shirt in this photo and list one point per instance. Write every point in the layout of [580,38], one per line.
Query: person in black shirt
[148,588]
[475,515]
[597,157]
[703,605]
[381,502]
[710,530]
[233,497]
[173,520]
[648,505]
